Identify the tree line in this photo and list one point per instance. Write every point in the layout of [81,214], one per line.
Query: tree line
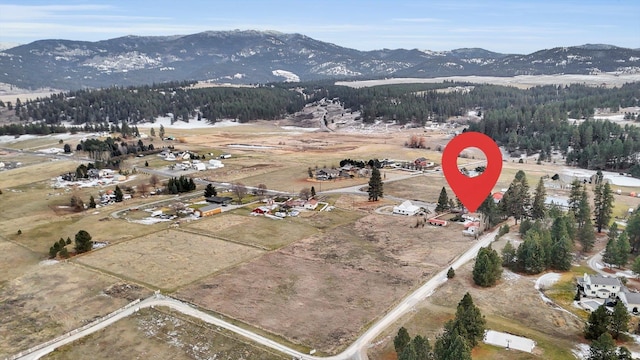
[460,335]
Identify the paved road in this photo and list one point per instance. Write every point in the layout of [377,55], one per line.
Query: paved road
[356,351]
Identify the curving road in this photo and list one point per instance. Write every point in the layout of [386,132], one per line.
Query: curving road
[356,351]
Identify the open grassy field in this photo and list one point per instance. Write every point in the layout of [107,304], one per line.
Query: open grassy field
[328,275]
[168,259]
[161,334]
[338,280]
[49,300]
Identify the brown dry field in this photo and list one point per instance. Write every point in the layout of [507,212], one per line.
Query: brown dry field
[338,281]
[323,263]
[161,334]
[49,300]
[168,259]
[512,306]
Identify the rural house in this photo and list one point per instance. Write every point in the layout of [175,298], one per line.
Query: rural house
[631,300]
[208,210]
[599,286]
[421,161]
[406,208]
[327,174]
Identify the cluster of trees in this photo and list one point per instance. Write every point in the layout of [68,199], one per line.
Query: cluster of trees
[180,185]
[487,269]
[444,203]
[59,247]
[104,150]
[542,248]
[361,163]
[618,248]
[460,335]
[602,321]
[517,202]
[135,104]
[83,243]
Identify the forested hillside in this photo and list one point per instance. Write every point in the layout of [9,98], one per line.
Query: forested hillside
[537,120]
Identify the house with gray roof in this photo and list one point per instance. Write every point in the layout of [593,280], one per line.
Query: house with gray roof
[599,286]
[631,300]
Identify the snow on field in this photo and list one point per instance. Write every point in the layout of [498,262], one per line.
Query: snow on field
[149,221]
[10,139]
[288,75]
[48,262]
[505,340]
[193,123]
[297,128]
[526,80]
[51,151]
[614,178]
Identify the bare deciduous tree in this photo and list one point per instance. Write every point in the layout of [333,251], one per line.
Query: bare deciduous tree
[262,189]
[305,193]
[153,180]
[240,191]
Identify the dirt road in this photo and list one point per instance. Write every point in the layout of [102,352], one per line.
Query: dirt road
[357,350]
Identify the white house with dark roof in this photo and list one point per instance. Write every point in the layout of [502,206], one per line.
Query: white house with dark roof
[631,300]
[599,286]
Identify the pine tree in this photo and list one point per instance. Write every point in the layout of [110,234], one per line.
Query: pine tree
[575,195]
[635,267]
[422,348]
[470,321]
[210,191]
[450,345]
[538,209]
[619,320]
[451,273]
[561,254]
[517,200]
[624,248]
[602,205]
[92,202]
[161,132]
[443,201]
[118,193]
[586,235]
[508,255]
[584,210]
[313,192]
[531,255]
[610,255]
[375,185]
[401,340]
[83,242]
[603,348]
[153,132]
[597,324]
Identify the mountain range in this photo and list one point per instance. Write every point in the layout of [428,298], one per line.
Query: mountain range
[266,56]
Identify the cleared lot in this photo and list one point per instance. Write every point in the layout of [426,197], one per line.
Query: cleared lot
[50,300]
[323,290]
[168,259]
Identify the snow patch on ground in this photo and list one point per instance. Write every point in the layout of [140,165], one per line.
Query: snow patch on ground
[510,275]
[288,75]
[297,128]
[149,221]
[193,123]
[581,351]
[48,262]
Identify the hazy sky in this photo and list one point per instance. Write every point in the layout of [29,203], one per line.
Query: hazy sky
[508,26]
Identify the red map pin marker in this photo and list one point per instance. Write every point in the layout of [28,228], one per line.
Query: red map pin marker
[471,191]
